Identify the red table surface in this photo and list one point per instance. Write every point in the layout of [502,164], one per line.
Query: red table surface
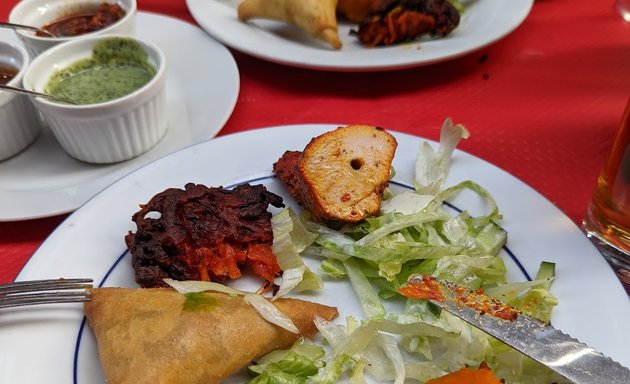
[542,103]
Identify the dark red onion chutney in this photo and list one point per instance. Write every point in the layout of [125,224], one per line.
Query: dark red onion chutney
[7,73]
[84,21]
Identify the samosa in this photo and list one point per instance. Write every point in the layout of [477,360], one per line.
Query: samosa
[159,336]
[318,18]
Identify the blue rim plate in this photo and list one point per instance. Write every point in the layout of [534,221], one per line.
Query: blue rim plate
[89,243]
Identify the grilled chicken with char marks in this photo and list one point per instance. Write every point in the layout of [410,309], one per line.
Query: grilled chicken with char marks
[341,174]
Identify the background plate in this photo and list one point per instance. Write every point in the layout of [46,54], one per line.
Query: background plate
[483,23]
[89,243]
[201,89]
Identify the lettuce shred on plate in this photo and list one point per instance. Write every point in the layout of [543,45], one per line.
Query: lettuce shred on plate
[461,5]
[415,234]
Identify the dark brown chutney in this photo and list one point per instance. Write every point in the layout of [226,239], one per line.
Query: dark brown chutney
[85,21]
[7,73]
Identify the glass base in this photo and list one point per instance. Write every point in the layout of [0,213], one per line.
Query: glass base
[623,7]
[618,259]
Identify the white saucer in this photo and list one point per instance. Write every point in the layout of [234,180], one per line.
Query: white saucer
[202,89]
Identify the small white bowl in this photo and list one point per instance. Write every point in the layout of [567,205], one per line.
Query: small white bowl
[106,132]
[19,123]
[38,13]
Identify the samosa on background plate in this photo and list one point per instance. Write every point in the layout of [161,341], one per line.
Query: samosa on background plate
[318,18]
[160,336]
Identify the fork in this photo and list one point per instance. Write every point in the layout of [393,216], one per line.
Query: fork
[50,291]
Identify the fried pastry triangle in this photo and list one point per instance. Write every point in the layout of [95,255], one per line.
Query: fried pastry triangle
[159,336]
[318,18]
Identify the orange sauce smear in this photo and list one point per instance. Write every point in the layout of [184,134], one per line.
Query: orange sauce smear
[429,288]
[466,375]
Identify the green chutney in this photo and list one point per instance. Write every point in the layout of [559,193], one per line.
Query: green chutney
[118,67]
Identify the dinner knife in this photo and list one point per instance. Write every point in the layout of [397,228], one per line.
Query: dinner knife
[540,341]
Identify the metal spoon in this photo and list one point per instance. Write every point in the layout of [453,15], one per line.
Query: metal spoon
[27,27]
[26,92]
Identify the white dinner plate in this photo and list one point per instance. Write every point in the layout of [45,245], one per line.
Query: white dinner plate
[201,89]
[483,23]
[52,344]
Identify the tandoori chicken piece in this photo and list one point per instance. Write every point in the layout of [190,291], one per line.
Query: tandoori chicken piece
[341,174]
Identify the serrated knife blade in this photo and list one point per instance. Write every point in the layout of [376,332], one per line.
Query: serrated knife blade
[540,341]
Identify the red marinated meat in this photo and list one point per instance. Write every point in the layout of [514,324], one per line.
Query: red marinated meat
[202,233]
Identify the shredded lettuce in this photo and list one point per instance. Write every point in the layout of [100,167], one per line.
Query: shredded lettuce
[416,233]
[431,167]
[270,312]
[531,297]
[290,237]
[263,306]
[294,365]
[372,306]
[369,346]
[189,286]
[462,5]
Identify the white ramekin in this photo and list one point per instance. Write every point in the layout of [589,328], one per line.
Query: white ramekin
[107,132]
[38,13]
[19,123]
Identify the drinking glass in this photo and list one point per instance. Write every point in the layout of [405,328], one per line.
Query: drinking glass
[607,220]
[623,7]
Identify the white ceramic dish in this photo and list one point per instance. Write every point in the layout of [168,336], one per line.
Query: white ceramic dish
[57,348]
[19,124]
[110,131]
[44,181]
[38,13]
[483,23]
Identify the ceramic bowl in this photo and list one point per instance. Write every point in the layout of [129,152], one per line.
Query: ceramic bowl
[38,13]
[19,123]
[105,132]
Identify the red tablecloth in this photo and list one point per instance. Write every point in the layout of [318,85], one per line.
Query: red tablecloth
[542,104]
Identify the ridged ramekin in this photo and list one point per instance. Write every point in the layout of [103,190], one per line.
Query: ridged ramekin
[19,124]
[41,12]
[107,132]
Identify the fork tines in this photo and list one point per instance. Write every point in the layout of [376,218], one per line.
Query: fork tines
[33,292]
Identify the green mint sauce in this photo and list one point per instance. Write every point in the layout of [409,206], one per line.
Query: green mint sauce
[118,67]
[199,301]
